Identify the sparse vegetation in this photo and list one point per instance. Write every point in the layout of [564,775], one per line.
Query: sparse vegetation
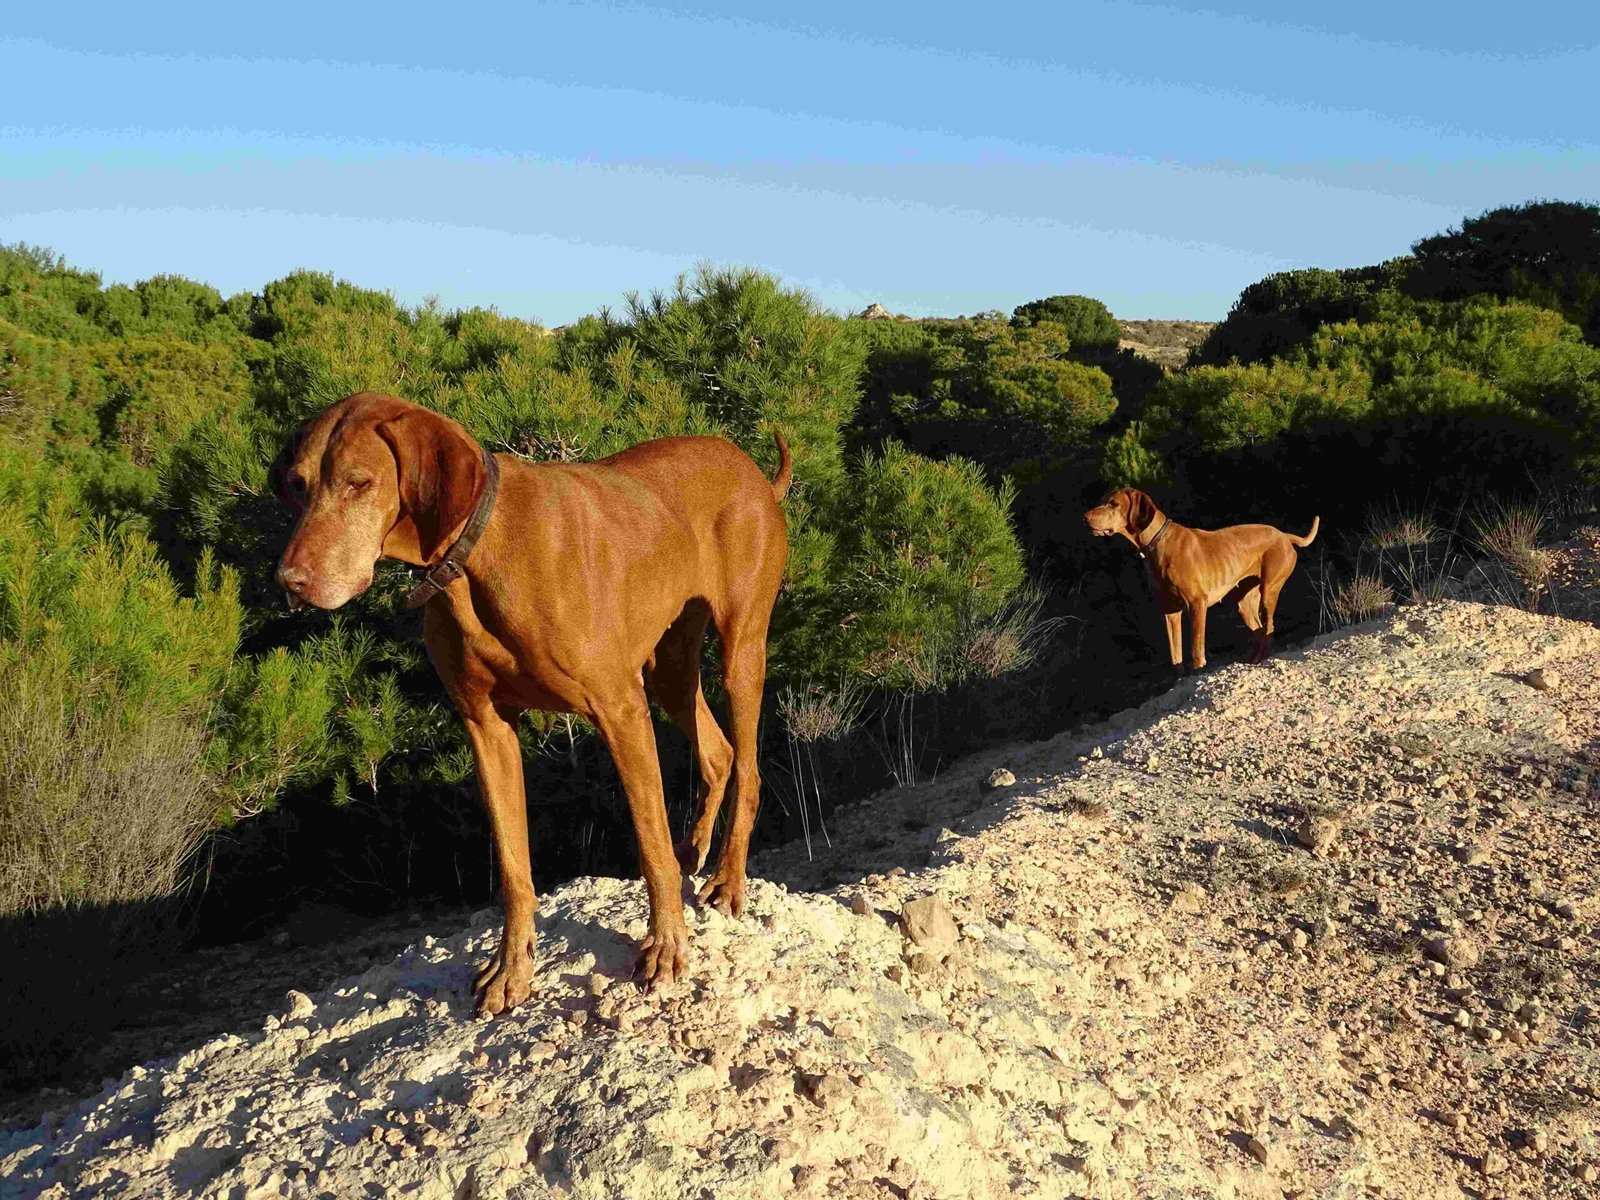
[1396,528]
[1510,533]
[1362,598]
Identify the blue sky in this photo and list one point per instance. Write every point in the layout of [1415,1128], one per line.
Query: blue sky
[546,159]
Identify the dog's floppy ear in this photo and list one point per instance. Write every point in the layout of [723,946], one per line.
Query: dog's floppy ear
[440,473]
[1141,509]
[278,472]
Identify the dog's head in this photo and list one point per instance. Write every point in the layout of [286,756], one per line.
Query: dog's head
[371,477]
[1127,511]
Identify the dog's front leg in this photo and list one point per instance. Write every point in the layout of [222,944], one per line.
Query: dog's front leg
[507,978]
[1197,636]
[624,723]
[1175,638]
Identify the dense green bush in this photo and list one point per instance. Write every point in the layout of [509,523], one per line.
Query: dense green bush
[1011,397]
[1087,322]
[926,557]
[1276,316]
[107,680]
[1546,253]
[1448,399]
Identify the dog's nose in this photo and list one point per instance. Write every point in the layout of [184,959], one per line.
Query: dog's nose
[293,579]
[296,581]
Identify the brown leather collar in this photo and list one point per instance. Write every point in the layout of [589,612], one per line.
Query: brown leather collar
[1150,546]
[454,563]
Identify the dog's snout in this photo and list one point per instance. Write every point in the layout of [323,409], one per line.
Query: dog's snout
[295,580]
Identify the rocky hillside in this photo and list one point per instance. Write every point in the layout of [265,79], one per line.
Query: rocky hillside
[1166,343]
[1325,927]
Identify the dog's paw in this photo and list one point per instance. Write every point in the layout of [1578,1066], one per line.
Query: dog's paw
[724,892]
[664,956]
[505,981]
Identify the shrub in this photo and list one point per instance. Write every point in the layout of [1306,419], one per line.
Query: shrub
[752,354]
[1277,315]
[1009,397]
[1223,408]
[928,550]
[1087,322]
[108,676]
[1544,252]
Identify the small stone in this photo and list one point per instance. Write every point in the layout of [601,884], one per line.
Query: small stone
[1471,854]
[300,1005]
[860,905]
[1492,1163]
[1453,1120]
[1191,898]
[1543,679]
[928,925]
[1317,834]
[998,778]
[1295,939]
[598,984]
[1259,1151]
[1587,1173]
[828,1091]
[1458,952]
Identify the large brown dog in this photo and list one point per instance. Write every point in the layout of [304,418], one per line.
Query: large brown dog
[1196,568]
[572,587]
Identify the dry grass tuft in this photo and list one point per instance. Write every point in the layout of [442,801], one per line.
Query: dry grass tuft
[93,811]
[1284,881]
[1363,598]
[1511,532]
[994,652]
[819,714]
[1089,810]
[1397,528]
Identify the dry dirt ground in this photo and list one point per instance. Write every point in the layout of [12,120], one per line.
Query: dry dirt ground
[1325,927]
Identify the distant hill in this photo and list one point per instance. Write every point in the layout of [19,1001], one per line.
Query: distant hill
[1164,342]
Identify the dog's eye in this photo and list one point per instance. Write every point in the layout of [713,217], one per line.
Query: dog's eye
[297,484]
[355,487]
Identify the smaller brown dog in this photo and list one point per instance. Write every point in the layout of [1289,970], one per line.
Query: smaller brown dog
[1196,568]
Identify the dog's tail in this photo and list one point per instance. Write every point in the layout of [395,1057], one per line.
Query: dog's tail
[1310,537]
[780,485]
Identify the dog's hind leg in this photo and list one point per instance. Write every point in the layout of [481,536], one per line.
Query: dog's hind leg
[622,714]
[1275,572]
[744,646]
[1250,613]
[673,679]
